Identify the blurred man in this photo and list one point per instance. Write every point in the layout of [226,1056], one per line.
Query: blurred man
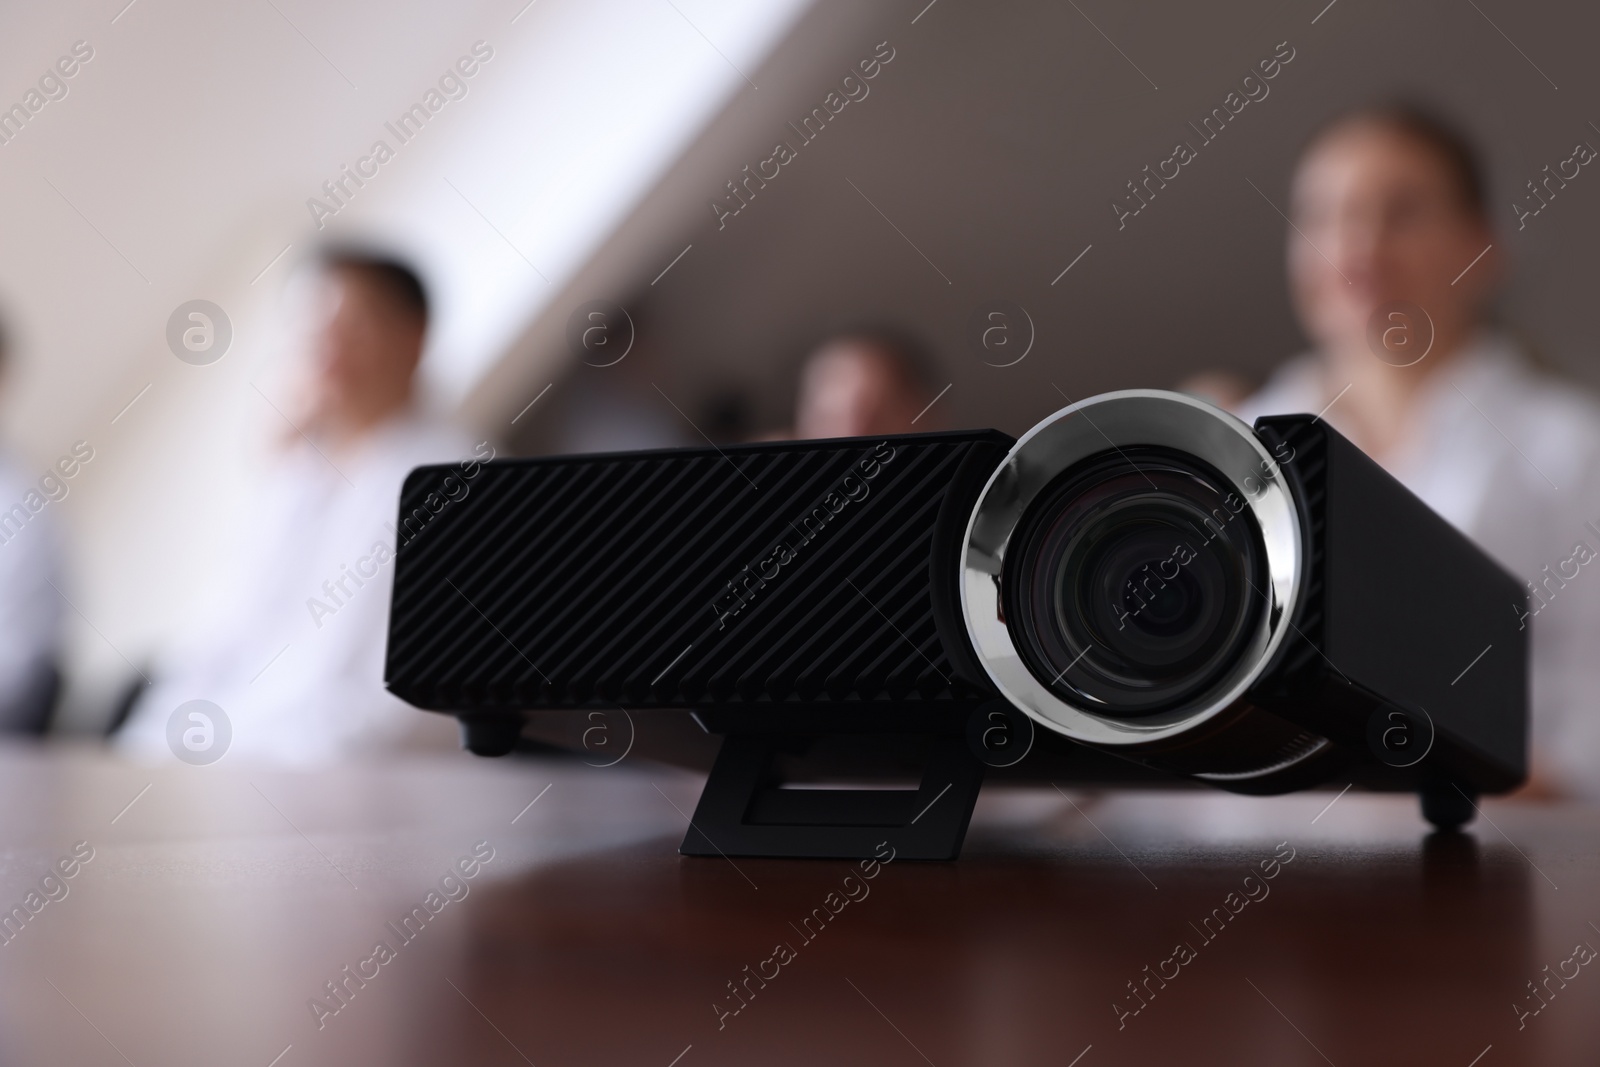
[30,609]
[864,383]
[1392,259]
[293,652]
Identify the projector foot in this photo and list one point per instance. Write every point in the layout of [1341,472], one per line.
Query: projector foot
[490,735]
[1446,806]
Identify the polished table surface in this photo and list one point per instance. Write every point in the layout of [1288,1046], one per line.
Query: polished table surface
[220,902]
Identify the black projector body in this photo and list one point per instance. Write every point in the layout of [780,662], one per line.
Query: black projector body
[1142,589]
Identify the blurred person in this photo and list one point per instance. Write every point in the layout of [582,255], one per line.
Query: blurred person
[614,399]
[1388,205]
[30,606]
[293,651]
[865,383]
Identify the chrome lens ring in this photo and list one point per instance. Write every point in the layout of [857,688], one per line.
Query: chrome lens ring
[1118,421]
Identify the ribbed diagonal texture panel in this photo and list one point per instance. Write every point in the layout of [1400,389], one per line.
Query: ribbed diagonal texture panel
[793,573]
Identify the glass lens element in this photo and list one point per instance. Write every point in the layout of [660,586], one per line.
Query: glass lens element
[1135,581]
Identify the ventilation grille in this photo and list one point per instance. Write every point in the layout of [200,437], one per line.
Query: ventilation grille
[572,581]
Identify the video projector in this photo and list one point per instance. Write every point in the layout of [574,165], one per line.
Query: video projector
[1142,589]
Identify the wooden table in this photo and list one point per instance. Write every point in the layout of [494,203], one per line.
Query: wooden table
[220,901]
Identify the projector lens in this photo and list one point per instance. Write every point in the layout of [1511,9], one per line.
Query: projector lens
[1136,580]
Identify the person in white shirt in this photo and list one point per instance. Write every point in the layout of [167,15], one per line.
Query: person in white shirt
[30,606]
[1392,259]
[293,653]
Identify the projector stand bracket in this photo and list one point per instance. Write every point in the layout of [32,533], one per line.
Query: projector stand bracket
[743,812]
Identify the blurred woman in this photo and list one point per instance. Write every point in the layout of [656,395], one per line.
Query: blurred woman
[1392,259]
